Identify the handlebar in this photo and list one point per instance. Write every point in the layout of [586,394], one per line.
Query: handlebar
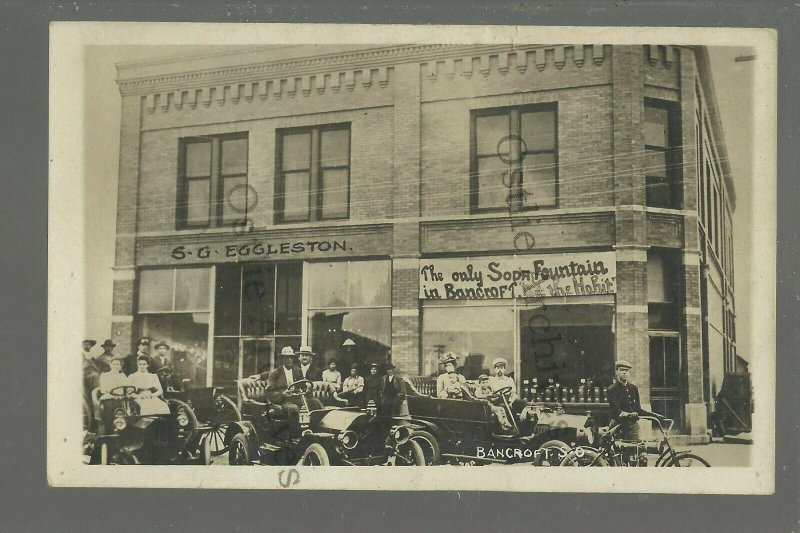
[658,421]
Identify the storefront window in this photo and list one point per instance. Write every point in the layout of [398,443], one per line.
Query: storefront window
[350,300]
[476,334]
[567,344]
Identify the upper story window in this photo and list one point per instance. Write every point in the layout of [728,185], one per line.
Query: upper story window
[313,173]
[212,182]
[514,158]
[663,175]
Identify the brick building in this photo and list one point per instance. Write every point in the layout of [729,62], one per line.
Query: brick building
[557,205]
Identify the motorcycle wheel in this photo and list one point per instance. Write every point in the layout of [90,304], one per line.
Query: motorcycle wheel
[687,460]
[587,458]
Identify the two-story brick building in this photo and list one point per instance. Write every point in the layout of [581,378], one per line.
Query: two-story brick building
[557,205]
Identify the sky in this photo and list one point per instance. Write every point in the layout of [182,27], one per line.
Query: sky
[733,82]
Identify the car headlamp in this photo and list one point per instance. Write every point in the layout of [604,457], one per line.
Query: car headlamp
[348,439]
[120,423]
[585,432]
[183,419]
[400,434]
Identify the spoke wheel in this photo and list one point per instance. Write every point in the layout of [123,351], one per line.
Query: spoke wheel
[583,457]
[429,445]
[551,453]
[687,460]
[239,454]
[225,412]
[410,454]
[315,455]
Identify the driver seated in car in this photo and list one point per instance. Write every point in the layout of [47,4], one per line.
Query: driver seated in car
[501,381]
[279,381]
[149,394]
[451,384]
[482,392]
[112,379]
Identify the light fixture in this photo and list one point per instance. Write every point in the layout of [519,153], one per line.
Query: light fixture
[348,342]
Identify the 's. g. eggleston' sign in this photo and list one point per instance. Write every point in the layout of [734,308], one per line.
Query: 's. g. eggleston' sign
[543,276]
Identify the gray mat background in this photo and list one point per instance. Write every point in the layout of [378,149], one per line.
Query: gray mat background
[27,503]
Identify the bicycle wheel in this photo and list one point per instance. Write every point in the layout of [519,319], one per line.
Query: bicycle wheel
[686,460]
[583,457]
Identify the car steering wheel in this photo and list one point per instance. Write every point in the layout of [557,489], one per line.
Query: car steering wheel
[125,390]
[295,390]
[501,392]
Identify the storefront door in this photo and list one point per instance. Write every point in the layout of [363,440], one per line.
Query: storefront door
[665,376]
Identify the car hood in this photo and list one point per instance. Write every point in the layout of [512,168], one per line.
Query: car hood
[342,419]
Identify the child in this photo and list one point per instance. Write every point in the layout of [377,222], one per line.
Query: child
[482,391]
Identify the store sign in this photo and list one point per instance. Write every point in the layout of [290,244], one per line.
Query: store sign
[540,276]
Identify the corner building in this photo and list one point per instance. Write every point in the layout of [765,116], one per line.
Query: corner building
[561,206]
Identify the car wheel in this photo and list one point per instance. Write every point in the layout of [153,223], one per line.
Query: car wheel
[410,454]
[239,453]
[583,457]
[429,445]
[225,411]
[551,453]
[104,454]
[205,450]
[315,455]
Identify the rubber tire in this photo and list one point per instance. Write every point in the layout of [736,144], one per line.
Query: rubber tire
[699,461]
[104,454]
[417,454]
[239,439]
[431,450]
[555,443]
[204,457]
[319,451]
[571,459]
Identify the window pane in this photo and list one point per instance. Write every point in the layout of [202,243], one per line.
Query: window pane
[234,199]
[258,299]
[296,196]
[671,362]
[257,356]
[234,156]
[335,148]
[327,284]
[369,329]
[198,159]
[655,163]
[656,281]
[155,290]
[539,179]
[538,130]
[192,287]
[289,299]
[476,334]
[226,303]
[297,151]
[491,189]
[370,283]
[226,361]
[656,362]
[335,193]
[655,126]
[197,201]
[489,131]
[187,336]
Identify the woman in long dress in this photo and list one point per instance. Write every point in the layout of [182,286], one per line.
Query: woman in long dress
[113,378]
[149,393]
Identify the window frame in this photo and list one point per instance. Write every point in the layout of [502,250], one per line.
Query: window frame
[315,171]
[514,114]
[673,173]
[216,181]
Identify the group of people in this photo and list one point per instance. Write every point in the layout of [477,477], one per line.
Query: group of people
[388,392]
[108,371]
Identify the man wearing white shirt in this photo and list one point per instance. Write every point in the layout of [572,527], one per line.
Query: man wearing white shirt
[310,372]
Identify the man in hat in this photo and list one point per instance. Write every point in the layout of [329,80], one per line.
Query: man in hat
[105,358]
[393,393]
[310,372]
[623,399]
[501,381]
[160,359]
[142,350]
[451,384]
[352,387]
[282,378]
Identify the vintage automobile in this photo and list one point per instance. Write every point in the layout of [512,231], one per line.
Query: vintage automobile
[464,431]
[211,407]
[332,435]
[135,430]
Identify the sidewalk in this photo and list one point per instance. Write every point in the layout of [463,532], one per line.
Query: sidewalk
[720,453]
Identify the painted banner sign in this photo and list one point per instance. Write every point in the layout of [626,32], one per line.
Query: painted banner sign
[542,276]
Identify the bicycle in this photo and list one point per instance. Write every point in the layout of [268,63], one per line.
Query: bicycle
[615,453]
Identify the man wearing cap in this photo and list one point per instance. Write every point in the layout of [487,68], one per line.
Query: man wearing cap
[309,371]
[623,399]
[142,350]
[451,384]
[393,393]
[501,381]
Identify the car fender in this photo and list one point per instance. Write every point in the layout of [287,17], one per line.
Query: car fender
[245,427]
[430,427]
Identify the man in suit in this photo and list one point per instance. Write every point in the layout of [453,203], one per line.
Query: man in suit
[307,367]
[393,393]
[623,399]
[142,349]
[160,359]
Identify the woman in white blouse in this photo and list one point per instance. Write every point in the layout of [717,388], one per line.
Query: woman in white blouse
[113,378]
[148,389]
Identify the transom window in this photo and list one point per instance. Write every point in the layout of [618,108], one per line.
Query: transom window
[313,173]
[514,158]
[212,185]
